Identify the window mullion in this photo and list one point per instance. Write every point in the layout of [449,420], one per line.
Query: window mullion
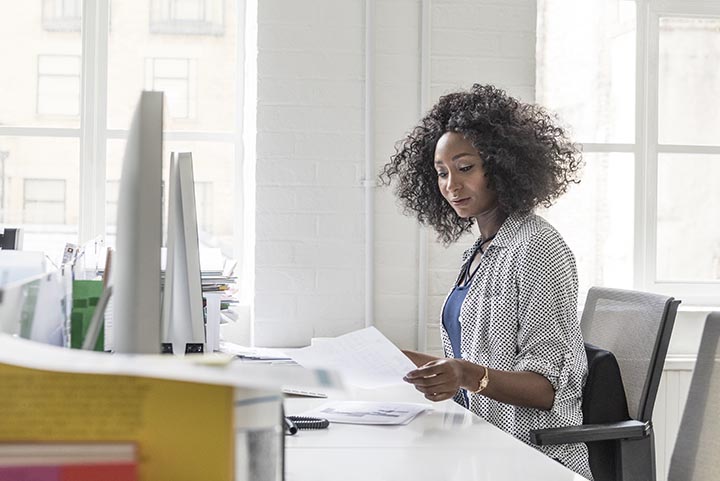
[640,256]
[651,172]
[93,123]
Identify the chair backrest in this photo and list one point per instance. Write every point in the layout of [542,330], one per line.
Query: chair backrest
[635,327]
[698,440]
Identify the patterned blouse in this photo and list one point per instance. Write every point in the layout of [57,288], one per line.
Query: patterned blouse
[520,314]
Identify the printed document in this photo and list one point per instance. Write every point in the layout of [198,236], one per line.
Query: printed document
[364,358]
[366,412]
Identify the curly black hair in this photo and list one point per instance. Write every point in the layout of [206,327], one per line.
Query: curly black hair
[527,158]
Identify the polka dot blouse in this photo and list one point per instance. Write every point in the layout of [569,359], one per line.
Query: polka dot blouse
[520,314]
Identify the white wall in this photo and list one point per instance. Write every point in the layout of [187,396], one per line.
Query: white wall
[310,246]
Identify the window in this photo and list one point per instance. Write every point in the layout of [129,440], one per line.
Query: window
[200,17]
[175,77]
[58,85]
[44,201]
[61,15]
[644,215]
[111,202]
[50,86]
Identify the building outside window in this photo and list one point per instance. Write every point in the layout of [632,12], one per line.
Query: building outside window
[44,201]
[198,17]
[58,85]
[62,15]
[175,77]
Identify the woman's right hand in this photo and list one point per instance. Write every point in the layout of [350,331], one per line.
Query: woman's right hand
[438,380]
[419,358]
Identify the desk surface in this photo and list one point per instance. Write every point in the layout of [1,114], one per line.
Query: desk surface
[447,444]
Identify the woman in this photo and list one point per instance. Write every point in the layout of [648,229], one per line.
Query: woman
[513,347]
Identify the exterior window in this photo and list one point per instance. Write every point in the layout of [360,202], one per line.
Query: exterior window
[200,17]
[61,15]
[111,201]
[58,85]
[644,214]
[44,201]
[175,77]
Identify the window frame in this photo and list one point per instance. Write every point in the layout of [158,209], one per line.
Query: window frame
[648,148]
[41,75]
[93,134]
[190,79]
[26,202]
[55,19]
[163,18]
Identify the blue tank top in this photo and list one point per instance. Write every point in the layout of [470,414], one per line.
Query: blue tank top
[451,317]
[451,310]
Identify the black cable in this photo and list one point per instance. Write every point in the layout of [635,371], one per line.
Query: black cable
[303,422]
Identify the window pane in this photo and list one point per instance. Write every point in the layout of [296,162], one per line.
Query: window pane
[179,17]
[61,15]
[171,68]
[202,98]
[177,97]
[688,110]
[586,67]
[40,81]
[39,186]
[44,212]
[49,190]
[595,218]
[688,231]
[188,10]
[214,173]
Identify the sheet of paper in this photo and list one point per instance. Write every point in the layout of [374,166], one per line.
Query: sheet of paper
[253,353]
[367,412]
[364,358]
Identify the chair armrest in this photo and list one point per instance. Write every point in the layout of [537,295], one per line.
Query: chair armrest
[591,432]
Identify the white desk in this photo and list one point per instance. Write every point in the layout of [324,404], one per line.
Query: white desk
[447,444]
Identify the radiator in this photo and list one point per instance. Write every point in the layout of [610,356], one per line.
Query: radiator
[669,406]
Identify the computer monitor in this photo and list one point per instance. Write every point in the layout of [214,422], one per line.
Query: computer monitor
[11,238]
[136,267]
[182,312]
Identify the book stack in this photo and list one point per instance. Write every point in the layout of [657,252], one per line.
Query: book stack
[218,290]
[68,461]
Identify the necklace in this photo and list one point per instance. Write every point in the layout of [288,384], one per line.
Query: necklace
[465,275]
[485,241]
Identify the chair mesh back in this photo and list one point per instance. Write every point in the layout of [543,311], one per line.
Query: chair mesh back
[698,441]
[628,324]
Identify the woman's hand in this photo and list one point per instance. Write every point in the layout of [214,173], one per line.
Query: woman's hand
[438,380]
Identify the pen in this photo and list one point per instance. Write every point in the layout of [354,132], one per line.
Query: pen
[290,427]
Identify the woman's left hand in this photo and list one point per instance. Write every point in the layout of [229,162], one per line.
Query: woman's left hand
[438,380]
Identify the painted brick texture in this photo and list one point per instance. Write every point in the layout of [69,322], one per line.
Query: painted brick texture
[310,155]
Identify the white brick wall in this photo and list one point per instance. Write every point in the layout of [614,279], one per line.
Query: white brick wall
[310,154]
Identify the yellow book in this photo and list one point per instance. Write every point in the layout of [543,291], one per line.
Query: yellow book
[181,412]
[184,430]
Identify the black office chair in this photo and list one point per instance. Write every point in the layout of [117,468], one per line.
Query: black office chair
[698,440]
[626,338]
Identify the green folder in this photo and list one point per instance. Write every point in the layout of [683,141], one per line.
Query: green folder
[86,295]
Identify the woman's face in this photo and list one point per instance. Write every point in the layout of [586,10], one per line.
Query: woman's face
[461,177]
